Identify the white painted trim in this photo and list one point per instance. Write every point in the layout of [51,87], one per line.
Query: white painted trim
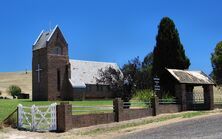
[38,37]
[77,86]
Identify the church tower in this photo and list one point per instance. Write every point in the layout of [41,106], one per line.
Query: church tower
[50,66]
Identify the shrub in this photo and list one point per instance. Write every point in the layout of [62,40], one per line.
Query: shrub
[144,95]
[14,90]
[168,98]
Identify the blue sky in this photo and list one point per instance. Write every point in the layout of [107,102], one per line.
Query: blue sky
[108,30]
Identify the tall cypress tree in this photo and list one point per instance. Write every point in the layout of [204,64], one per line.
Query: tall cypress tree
[168,53]
[216,60]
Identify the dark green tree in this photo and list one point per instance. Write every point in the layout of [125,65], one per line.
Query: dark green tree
[216,61]
[168,53]
[146,71]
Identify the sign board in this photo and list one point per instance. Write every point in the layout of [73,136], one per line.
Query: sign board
[156,81]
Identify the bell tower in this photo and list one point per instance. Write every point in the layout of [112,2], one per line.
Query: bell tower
[50,66]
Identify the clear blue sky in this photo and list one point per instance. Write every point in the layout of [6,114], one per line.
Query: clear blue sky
[108,30]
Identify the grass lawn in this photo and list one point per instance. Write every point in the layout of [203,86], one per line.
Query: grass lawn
[8,106]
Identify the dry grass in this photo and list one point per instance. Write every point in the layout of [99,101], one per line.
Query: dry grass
[15,78]
[217,91]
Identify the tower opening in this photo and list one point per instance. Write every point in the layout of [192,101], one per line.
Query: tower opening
[58,79]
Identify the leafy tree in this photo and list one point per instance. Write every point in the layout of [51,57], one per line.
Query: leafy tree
[168,53]
[132,69]
[216,60]
[122,87]
[14,90]
[140,72]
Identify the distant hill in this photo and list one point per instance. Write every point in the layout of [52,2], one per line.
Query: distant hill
[23,80]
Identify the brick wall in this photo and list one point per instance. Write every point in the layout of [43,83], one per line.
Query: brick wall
[66,121]
[92,119]
[128,114]
[169,108]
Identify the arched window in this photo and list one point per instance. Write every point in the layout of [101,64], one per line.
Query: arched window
[57,50]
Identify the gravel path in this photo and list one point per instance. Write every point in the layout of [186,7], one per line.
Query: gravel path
[206,127]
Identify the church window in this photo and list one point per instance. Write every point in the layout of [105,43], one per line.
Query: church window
[58,80]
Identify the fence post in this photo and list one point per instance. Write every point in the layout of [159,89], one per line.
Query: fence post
[118,108]
[155,105]
[64,116]
[53,125]
[19,116]
[33,118]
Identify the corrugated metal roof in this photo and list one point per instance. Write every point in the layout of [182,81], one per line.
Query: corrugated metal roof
[87,72]
[191,77]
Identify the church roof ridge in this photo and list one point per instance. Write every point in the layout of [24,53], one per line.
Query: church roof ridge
[52,32]
[38,37]
[92,61]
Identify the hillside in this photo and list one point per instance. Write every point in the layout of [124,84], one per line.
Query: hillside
[21,79]
[25,82]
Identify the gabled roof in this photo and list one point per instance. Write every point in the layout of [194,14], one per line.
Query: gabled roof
[43,38]
[191,77]
[87,72]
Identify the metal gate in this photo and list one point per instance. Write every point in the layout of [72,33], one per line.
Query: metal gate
[37,118]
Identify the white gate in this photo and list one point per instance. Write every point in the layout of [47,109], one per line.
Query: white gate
[37,118]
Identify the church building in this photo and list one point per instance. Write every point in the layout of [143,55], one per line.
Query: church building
[56,77]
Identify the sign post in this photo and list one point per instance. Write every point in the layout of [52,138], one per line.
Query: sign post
[156,83]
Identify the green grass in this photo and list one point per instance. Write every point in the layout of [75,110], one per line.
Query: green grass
[8,106]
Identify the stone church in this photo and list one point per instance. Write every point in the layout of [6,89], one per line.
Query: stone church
[56,77]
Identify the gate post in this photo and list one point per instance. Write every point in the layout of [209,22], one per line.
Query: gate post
[19,116]
[118,109]
[64,116]
[33,118]
[155,105]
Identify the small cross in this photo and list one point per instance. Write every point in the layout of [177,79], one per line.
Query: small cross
[38,70]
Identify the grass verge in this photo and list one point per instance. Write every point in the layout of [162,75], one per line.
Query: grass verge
[142,122]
